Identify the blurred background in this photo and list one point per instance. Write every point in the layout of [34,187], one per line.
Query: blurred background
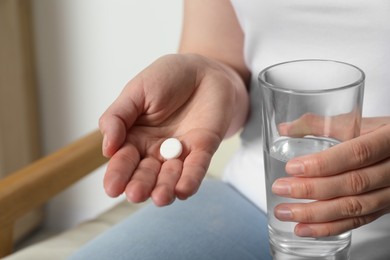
[62,64]
[85,52]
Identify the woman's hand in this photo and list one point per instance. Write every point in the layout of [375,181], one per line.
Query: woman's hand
[189,97]
[341,127]
[350,183]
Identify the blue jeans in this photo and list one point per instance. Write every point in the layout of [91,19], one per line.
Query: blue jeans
[216,223]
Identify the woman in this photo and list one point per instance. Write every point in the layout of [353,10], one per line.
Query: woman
[209,91]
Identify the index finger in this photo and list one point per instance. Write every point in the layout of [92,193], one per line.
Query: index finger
[354,154]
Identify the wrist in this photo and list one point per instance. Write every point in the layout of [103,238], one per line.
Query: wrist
[240,101]
[213,70]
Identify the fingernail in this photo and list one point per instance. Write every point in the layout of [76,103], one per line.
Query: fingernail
[105,141]
[105,145]
[304,231]
[281,187]
[283,213]
[295,167]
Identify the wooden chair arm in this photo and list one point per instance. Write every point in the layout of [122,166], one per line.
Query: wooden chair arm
[38,182]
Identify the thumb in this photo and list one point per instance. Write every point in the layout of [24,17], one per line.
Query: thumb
[118,119]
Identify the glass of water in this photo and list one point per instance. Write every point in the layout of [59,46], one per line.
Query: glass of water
[307,106]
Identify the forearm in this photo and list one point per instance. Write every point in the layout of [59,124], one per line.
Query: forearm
[211,29]
[211,75]
[240,104]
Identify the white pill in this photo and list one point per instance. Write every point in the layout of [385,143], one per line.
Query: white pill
[171,149]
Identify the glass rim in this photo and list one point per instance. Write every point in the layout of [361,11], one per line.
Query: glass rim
[358,82]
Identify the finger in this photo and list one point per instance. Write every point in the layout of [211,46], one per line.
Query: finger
[341,127]
[336,209]
[164,192]
[321,188]
[308,124]
[143,180]
[114,132]
[370,124]
[119,117]
[194,169]
[356,153]
[199,146]
[120,169]
[336,227]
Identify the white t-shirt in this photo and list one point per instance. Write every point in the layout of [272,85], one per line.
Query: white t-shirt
[353,31]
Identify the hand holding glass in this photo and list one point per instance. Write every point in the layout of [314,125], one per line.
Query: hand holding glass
[307,106]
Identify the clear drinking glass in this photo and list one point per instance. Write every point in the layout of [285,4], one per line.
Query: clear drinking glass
[307,106]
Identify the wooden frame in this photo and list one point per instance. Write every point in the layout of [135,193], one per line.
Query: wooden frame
[23,191]
[38,182]
[19,131]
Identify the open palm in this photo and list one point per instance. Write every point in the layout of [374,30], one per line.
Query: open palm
[177,96]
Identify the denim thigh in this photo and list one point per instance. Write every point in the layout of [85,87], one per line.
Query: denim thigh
[216,223]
